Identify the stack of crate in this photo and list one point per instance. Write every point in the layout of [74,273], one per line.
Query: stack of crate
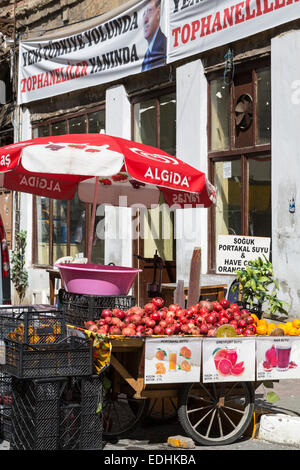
[54,393]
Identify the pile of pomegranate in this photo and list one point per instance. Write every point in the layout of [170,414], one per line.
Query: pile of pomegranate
[203,318]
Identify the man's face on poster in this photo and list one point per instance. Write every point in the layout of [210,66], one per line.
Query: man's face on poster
[151,19]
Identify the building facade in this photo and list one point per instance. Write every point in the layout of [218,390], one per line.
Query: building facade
[232,111]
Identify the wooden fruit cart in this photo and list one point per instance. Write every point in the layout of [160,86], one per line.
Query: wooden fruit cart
[210,413]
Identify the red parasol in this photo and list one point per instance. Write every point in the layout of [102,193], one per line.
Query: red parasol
[58,166]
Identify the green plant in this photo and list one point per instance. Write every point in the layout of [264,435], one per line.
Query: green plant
[19,275]
[258,286]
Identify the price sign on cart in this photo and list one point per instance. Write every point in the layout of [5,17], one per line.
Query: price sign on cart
[228,360]
[278,358]
[172,360]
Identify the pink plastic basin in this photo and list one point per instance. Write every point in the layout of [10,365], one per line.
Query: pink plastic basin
[97,279]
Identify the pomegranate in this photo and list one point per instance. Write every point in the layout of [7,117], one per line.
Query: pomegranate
[169,330]
[194,309]
[158,330]
[163,323]
[224,303]
[93,328]
[114,330]
[244,313]
[185,329]
[151,323]
[127,331]
[89,323]
[108,320]
[170,320]
[174,307]
[248,331]
[115,322]
[211,319]
[136,319]
[235,307]
[212,332]
[162,313]
[155,316]
[148,332]
[242,323]
[119,314]
[217,306]
[158,302]
[203,329]
[102,331]
[140,329]
[106,313]
[150,308]
[207,304]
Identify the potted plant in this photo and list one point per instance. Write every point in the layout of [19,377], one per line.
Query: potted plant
[19,275]
[258,288]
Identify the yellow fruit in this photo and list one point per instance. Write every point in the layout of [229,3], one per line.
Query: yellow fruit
[296,323]
[287,326]
[293,331]
[263,322]
[271,326]
[262,330]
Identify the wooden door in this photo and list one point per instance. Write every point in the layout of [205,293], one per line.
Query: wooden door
[6,214]
[156,237]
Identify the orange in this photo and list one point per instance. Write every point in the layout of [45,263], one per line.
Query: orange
[262,330]
[296,323]
[293,331]
[287,326]
[271,327]
[263,322]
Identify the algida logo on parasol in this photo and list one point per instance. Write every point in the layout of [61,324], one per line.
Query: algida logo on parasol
[40,183]
[166,176]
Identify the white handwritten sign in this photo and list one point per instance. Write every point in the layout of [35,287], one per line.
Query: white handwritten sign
[234,251]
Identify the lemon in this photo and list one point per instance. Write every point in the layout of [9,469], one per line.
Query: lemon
[225,331]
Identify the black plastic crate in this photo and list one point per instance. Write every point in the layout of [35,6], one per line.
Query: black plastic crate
[35,414]
[80,308]
[5,388]
[5,405]
[31,325]
[5,422]
[57,414]
[80,426]
[72,356]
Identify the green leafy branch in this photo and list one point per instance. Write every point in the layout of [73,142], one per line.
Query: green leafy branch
[258,285]
[19,275]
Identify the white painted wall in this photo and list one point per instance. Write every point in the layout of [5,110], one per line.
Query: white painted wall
[118,248]
[191,143]
[38,290]
[285,52]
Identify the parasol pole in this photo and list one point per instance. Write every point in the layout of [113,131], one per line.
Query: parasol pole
[91,234]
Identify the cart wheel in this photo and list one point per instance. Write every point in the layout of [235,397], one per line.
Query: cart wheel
[162,410]
[216,413]
[121,413]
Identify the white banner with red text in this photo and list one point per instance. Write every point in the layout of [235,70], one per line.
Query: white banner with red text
[147,35]
[200,25]
[113,49]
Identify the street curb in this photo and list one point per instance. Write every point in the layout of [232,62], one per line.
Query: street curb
[280,428]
